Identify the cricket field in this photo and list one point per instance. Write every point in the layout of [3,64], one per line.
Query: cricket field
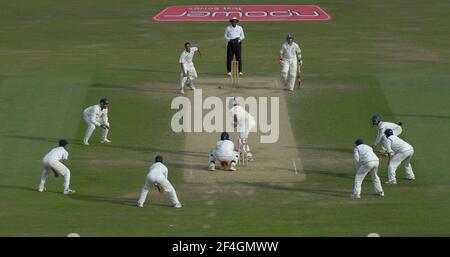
[372,57]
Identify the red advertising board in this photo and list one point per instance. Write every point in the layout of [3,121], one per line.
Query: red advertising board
[208,13]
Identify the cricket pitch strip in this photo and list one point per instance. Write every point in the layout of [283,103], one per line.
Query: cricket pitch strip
[273,163]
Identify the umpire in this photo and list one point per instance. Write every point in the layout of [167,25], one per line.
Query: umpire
[234,34]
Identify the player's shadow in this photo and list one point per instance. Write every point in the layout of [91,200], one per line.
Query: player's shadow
[323,148]
[432,116]
[46,139]
[164,71]
[335,193]
[12,187]
[329,173]
[112,200]
[159,150]
[149,88]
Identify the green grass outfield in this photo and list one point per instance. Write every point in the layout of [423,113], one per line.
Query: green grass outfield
[57,57]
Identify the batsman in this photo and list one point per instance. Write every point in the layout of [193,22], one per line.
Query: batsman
[290,61]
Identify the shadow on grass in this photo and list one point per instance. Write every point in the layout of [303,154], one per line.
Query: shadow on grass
[31,189]
[163,71]
[330,174]
[151,89]
[428,116]
[323,148]
[335,193]
[112,200]
[159,150]
[46,139]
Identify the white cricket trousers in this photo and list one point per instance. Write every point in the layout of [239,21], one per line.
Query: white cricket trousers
[213,156]
[289,73]
[161,181]
[91,128]
[60,168]
[363,169]
[396,160]
[191,76]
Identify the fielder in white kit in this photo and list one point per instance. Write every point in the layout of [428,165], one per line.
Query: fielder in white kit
[97,116]
[244,122]
[158,177]
[381,127]
[399,151]
[224,153]
[56,161]
[188,73]
[366,162]
[290,58]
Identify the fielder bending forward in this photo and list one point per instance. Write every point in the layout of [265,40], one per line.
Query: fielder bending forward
[56,161]
[224,153]
[188,73]
[244,122]
[157,176]
[399,151]
[97,116]
[366,162]
[290,60]
[381,127]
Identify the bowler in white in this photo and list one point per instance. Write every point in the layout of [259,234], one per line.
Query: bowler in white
[187,69]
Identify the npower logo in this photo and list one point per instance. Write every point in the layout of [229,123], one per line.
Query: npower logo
[209,13]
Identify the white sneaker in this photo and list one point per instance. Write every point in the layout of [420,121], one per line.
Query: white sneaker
[356,196]
[140,205]
[212,166]
[182,91]
[229,74]
[42,189]
[381,194]
[393,182]
[69,191]
[178,205]
[240,73]
[105,141]
[233,168]
[85,143]
[249,157]
[192,87]
[411,178]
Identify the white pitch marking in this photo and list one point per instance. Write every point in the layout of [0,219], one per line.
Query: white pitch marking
[295,167]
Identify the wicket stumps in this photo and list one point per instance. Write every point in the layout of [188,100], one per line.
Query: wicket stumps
[235,73]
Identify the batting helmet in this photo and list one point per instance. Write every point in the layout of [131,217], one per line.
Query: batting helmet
[63,142]
[376,118]
[388,132]
[289,36]
[359,141]
[159,158]
[104,101]
[224,136]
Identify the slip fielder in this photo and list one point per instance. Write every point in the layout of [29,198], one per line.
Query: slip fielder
[157,176]
[381,127]
[366,162]
[97,116]
[290,61]
[224,153]
[399,151]
[188,73]
[56,161]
